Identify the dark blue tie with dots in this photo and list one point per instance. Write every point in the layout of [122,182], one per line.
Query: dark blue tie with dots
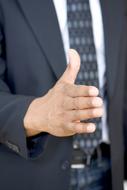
[81,39]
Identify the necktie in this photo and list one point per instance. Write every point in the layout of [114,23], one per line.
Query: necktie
[81,38]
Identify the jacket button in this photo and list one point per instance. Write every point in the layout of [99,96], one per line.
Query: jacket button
[65,165]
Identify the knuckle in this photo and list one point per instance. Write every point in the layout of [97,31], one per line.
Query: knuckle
[76,103]
[76,129]
[71,127]
[67,88]
[64,103]
[91,113]
[88,102]
[93,101]
[78,114]
[75,114]
[79,129]
[66,125]
[64,116]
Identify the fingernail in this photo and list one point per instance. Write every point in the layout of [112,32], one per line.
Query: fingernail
[98,102]
[91,128]
[94,91]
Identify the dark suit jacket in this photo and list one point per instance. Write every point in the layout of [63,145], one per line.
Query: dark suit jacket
[32,60]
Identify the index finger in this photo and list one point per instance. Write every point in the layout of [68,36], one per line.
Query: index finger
[81,91]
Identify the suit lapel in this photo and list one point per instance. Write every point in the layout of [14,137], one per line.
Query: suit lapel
[112,13]
[41,17]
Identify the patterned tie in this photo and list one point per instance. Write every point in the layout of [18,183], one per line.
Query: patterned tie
[81,39]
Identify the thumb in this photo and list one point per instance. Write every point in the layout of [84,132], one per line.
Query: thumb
[73,67]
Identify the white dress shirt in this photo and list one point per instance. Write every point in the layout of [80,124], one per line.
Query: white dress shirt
[61,11]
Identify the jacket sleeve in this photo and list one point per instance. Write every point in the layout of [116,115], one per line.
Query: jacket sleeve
[12,109]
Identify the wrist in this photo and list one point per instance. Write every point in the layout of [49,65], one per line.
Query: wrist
[30,121]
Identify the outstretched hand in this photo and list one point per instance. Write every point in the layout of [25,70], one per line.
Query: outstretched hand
[60,111]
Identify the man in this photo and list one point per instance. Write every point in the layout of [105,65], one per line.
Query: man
[38,116]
